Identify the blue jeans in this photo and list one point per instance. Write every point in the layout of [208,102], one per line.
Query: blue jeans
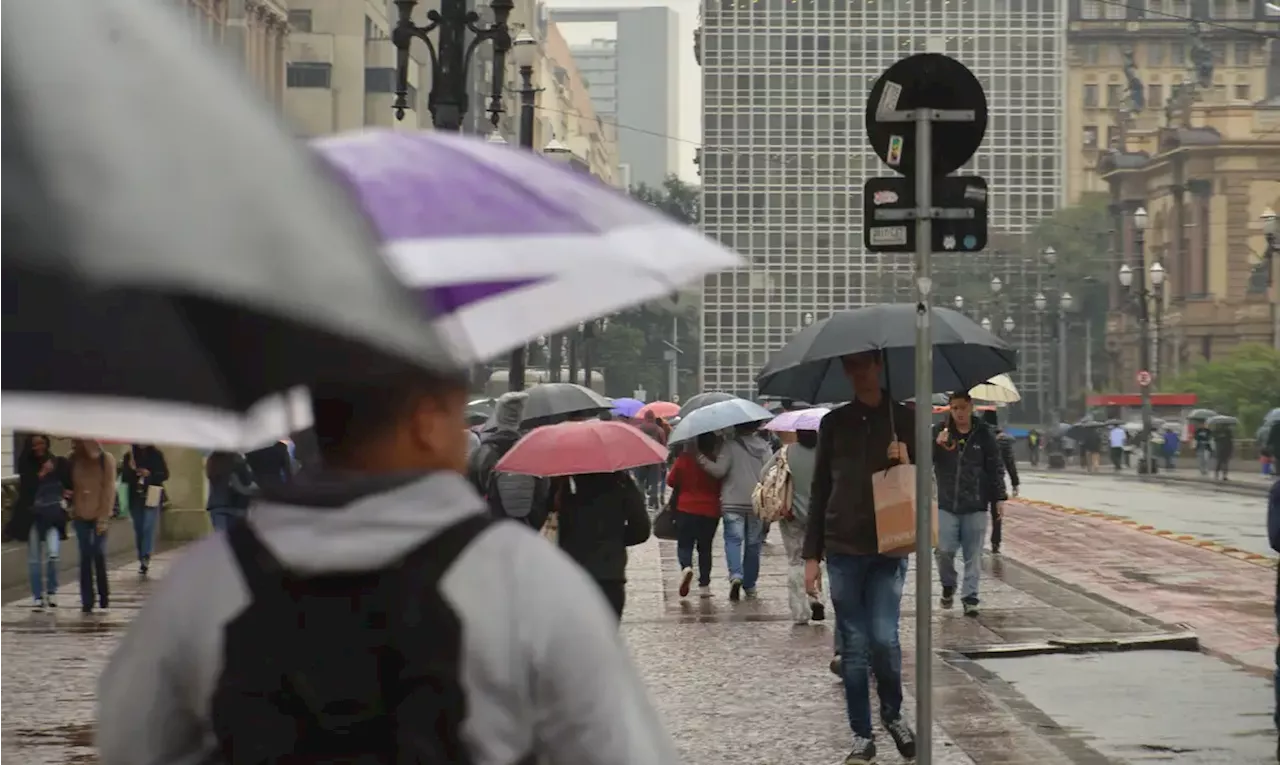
[963,532]
[866,591]
[42,553]
[93,562]
[223,518]
[742,540]
[144,529]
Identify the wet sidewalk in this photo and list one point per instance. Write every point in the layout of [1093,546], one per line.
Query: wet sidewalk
[1242,481]
[739,683]
[1228,602]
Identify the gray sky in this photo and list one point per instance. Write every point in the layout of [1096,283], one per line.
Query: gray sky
[690,97]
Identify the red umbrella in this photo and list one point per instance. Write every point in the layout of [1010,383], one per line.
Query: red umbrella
[664,409]
[574,448]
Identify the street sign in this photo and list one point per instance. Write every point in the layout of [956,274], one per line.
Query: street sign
[1144,378]
[926,81]
[960,214]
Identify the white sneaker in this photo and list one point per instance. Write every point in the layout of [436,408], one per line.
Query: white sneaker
[38,604]
[686,579]
[704,591]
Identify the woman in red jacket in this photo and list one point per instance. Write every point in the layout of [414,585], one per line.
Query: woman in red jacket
[697,499]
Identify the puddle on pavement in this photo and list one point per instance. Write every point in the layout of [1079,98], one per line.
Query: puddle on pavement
[1151,706]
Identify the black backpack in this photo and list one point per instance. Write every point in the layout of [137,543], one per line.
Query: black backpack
[350,669]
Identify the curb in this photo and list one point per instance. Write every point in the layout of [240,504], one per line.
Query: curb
[1186,539]
[1237,488]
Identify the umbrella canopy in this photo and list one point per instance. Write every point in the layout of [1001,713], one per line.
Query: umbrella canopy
[664,409]
[576,448]
[626,407]
[998,390]
[1200,415]
[1222,421]
[808,367]
[507,244]
[803,419]
[718,416]
[703,399]
[552,402]
[157,293]
[1080,429]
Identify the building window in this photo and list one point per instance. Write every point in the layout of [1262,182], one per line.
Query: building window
[383,80]
[1155,54]
[1089,54]
[1243,53]
[1091,96]
[1090,137]
[300,20]
[1115,96]
[308,74]
[1155,95]
[1242,91]
[1091,9]
[1116,11]
[1177,54]
[1113,137]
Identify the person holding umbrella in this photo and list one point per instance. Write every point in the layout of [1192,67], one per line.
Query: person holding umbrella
[737,465]
[696,494]
[854,441]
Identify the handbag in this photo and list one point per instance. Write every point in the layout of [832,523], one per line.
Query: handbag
[664,524]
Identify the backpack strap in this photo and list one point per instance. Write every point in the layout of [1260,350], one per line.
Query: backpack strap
[428,563]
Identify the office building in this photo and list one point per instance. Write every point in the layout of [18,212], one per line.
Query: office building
[634,82]
[785,154]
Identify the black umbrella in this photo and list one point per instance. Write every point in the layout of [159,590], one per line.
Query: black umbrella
[808,366]
[177,267]
[703,399]
[1081,429]
[553,402]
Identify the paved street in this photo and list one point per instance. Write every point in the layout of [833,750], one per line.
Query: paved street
[737,683]
[1238,520]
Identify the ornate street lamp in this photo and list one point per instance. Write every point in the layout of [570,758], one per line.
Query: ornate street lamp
[1008,325]
[959,302]
[807,319]
[1040,302]
[1050,256]
[1143,297]
[495,137]
[986,324]
[525,51]
[451,59]
[996,285]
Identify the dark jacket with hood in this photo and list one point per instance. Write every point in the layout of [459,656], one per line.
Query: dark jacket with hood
[853,443]
[520,497]
[601,515]
[19,526]
[145,458]
[968,469]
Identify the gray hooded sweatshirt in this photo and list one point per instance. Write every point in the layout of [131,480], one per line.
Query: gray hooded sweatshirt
[738,467]
[544,669]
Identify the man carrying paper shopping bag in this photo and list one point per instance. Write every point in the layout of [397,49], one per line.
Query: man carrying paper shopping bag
[966,462]
[855,442]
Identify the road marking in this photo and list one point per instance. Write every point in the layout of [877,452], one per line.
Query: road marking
[1186,539]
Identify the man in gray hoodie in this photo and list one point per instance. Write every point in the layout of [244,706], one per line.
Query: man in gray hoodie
[540,666]
[738,464]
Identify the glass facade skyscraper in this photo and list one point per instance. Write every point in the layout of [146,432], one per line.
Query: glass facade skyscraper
[785,154]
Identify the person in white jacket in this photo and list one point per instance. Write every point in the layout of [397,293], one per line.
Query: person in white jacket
[542,669]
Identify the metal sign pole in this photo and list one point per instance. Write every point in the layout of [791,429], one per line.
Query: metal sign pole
[924,441]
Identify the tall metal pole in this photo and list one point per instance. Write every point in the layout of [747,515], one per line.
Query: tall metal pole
[528,105]
[924,442]
[673,366]
[1062,358]
[1144,351]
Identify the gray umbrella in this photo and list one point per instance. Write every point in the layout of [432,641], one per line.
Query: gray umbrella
[552,402]
[718,416]
[703,399]
[168,244]
[1222,421]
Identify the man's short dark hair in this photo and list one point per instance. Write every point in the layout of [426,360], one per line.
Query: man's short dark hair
[959,395]
[807,438]
[351,415]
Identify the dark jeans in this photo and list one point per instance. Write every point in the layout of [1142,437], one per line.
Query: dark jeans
[223,518]
[866,591]
[997,523]
[696,531]
[1117,457]
[616,593]
[93,563]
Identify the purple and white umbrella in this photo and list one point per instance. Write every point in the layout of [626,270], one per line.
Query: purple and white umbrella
[507,245]
[803,419]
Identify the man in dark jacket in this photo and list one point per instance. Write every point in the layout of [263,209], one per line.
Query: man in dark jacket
[519,497]
[1008,467]
[966,462]
[858,439]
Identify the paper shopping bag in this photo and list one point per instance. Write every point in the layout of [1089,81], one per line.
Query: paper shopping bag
[154,495]
[895,496]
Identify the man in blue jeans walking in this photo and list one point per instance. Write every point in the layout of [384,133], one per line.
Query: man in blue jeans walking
[855,441]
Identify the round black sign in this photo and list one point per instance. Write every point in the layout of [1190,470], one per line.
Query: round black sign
[926,81]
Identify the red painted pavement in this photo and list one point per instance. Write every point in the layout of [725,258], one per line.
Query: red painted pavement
[1229,603]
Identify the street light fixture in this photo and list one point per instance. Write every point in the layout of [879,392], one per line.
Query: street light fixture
[986,324]
[1050,255]
[1008,325]
[807,319]
[1067,302]
[1126,276]
[959,302]
[496,137]
[1140,219]
[1040,302]
[524,49]
[996,284]
[557,151]
[451,62]
[1157,274]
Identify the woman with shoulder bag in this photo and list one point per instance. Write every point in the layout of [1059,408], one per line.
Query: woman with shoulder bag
[800,454]
[695,495]
[144,471]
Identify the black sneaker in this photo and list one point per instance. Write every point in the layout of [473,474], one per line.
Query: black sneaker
[903,737]
[971,607]
[948,597]
[863,753]
[817,611]
[144,566]
[995,549]
[735,590]
[86,609]
[836,666]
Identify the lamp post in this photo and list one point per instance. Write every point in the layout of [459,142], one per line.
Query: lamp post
[1041,303]
[562,344]
[1142,295]
[525,50]
[589,330]
[451,58]
[1271,230]
[1064,304]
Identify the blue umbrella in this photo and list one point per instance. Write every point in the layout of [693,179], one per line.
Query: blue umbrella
[718,416]
[626,407]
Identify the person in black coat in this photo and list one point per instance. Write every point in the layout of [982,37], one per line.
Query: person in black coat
[145,471]
[1008,467]
[600,516]
[34,453]
[39,516]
